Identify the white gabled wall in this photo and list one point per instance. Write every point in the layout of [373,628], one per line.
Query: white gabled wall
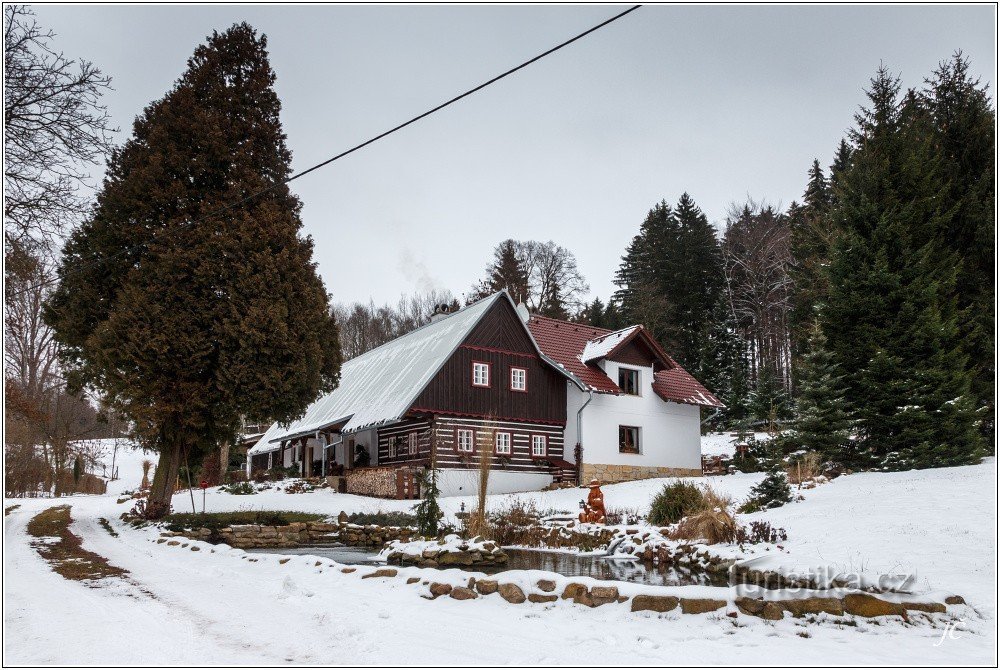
[455,482]
[670,433]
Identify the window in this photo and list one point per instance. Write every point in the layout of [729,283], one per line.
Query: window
[537,445]
[480,374]
[464,440]
[503,444]
[628,439]
[628,381]
[518,379]
[413,443]
[392,446]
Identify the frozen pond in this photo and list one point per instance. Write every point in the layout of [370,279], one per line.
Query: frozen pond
[566,564]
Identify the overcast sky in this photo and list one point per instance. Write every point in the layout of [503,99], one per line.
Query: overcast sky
[722,102]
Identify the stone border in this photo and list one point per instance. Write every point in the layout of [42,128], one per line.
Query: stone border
[298,534]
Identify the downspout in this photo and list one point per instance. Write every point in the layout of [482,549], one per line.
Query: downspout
[578,451]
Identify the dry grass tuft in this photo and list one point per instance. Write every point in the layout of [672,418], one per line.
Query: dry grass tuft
[712,499]
[804,469]
[64,551]
[713,526]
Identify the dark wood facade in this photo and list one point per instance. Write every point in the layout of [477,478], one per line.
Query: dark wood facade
[500,341]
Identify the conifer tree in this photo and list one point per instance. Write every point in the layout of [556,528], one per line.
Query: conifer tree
[506,272]
[187,319]
[822,419]
[892,319]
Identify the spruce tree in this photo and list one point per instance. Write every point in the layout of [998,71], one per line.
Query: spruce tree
[507,272]
[724,366]
[892,318]
[822,418]
[189,320]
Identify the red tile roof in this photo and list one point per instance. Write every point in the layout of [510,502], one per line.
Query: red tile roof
[565,341]
[677,385]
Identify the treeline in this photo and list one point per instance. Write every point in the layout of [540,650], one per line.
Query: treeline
[364,326]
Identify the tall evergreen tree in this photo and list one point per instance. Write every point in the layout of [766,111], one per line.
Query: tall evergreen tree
[964,123]
[822,419]
[724,367]
[506,272]
[892,318]
[187,319]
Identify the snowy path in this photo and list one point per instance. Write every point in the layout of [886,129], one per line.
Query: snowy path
[183,607]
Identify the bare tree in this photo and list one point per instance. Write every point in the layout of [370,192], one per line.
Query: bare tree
[364,326]
[757,256]
[54,128]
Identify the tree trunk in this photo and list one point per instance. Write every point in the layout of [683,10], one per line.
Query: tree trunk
[162,490]
[223,462]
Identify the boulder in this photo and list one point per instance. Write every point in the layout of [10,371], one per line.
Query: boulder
[803,606]
[862,604]
[462,593]
[439,589]
[763,609]
[455,558]
[701,605]
[512,593]
[542,598]
[412,580]
[381,572]
[546,585]
[347,571]
[647,603]
[954,600]
[602,595]
[926,607]
[572,590]
[486,586]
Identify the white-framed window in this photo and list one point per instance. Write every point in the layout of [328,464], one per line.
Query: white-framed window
[538,445]
[392,446]
[503,445]
[480,374]
[518,379]
[413,443]
[464,439]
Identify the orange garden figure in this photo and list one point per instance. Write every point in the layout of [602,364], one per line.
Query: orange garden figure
[593,510]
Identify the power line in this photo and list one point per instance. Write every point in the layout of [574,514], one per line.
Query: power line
[276,185]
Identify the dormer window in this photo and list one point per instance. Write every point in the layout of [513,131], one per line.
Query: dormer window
[480,374]
[628,381]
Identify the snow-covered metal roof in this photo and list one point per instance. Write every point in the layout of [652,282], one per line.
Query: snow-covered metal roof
[604,345]
[380,385]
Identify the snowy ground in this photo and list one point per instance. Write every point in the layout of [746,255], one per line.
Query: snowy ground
[184,607]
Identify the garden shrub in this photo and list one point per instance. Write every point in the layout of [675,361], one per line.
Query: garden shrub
[758,532]
[773,491]
[381,518]
[710,525]
[240,489]
[674,502]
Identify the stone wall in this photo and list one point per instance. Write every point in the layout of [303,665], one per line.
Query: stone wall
[299,534]
[611,474]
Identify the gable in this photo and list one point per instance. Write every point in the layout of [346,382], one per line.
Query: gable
[635,352]
[501,328]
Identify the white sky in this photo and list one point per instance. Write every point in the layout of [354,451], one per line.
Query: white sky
[723,102]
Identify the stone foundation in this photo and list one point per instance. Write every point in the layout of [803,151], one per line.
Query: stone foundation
[612,474]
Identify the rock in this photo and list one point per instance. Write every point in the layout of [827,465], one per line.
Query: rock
[760,608]
[486,586]
[602,595]
[195,548]
[430,553]
[701,605]
[462,593]
[954,600]
[647,603]
[540,598]
[381,572]
[925,607]
[173,543]
[161,541]
[347,571]
[546,585]
[572,589]
[472,583]
[439,589]
[512,593]
[342,518]
[413,580]
[862,604]
[455,558]
[283,561]
[803,606]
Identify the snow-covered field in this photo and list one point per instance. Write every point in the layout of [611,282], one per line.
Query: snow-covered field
[184,607]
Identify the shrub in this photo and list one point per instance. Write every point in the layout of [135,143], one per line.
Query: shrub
[507,524]
[773,491]
[711,525]
[240,489]
[674,502]
[805,468]
[215,520]
[615,516]
[758,532]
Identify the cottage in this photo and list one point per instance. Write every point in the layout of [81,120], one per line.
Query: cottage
[491,381]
